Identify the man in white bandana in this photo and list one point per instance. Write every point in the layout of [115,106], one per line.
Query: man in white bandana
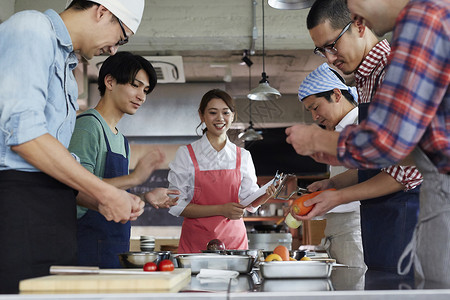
[39,178]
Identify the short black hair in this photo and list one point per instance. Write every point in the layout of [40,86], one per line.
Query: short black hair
[81,4]
[124,66]
[336,11]
[345,93]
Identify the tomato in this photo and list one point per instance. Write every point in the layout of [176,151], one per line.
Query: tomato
[150,267]
[299,208]
[166,265]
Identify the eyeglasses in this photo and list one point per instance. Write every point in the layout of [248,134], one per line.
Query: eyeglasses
[330,48]
[125,40]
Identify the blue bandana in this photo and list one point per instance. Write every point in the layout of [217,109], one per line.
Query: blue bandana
[321,80]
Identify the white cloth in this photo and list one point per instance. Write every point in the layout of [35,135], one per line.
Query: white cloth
[350,118]
[182,173]
[212,273]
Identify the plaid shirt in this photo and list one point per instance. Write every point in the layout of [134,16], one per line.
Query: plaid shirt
[369,74]
[412,106]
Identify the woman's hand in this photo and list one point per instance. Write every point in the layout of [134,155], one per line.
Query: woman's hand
[320,185]
[232,210]
[264,198]
[159,198]
[146,165]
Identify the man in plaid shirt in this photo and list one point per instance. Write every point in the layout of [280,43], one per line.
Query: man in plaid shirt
[395,189]
[409,113]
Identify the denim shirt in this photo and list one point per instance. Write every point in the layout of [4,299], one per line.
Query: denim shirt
[38,91]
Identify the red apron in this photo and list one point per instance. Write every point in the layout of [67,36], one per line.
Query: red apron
[211,188]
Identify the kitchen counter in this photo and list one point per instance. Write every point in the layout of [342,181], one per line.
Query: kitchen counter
[344,283]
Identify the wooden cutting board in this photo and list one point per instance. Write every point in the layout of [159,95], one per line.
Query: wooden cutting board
[102,283]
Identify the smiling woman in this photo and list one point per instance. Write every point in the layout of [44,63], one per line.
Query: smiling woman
[212,175]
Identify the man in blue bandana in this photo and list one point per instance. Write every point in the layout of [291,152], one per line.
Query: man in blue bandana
[333,106]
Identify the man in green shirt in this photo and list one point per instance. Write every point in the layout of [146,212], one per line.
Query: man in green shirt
[124,82]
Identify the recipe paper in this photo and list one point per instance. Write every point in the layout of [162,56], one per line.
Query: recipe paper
[261,191]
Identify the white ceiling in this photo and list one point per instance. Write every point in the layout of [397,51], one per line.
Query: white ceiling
[216,32]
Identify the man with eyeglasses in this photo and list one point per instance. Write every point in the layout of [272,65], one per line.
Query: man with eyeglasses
[40,181]
[391,195]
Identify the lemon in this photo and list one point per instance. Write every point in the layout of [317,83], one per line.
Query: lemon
[273,256]
[305,258]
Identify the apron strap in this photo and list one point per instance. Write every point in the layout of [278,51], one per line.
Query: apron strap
[238,157]
[411,247]
[194,159]
[108,147]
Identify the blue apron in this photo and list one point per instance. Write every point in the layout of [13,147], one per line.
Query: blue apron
[100,241]
[387,222]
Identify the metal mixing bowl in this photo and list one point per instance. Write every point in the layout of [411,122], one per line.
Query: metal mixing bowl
[139,259]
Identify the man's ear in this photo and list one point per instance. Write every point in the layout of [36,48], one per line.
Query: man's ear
[101,12]
[109,81]
[360,27]
[337,94]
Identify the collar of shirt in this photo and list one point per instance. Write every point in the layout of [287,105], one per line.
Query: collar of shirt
[373,58]
[62,34]
[350,118]
[207,150]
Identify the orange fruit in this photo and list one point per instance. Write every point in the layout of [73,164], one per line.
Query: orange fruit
[298,206]
[273,256]
[282,251]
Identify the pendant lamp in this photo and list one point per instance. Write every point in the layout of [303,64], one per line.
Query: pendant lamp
[250,134]
[263,91]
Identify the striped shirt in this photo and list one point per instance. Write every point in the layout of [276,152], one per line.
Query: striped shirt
[412,106]
[368,77]
[372,70]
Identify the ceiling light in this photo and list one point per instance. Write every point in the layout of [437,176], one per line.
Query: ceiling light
[250,134]
[246,60]
[291,4]
[264,91]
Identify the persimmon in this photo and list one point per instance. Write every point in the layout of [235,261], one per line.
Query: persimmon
[282,251]
[299,208]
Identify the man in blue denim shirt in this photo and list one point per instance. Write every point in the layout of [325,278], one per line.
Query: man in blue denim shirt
[38,176]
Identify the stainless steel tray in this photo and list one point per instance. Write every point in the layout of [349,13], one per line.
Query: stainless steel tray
[197,261]
[296,285]
[295,269]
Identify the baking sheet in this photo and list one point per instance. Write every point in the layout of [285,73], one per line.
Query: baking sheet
[198,261]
